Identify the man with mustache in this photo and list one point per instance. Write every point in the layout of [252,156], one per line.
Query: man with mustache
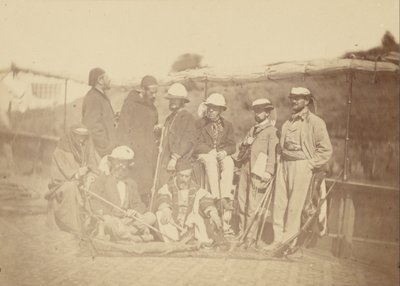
[258,158]
[305,149]
[136,126]
[182,203]
[178,134]
[115,186]
[215,143]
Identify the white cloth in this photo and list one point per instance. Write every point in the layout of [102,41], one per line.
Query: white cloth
[121,187]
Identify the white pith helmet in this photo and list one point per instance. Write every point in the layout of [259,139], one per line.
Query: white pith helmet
[216,99]
[177,91]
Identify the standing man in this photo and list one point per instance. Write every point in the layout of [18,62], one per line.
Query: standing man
[258,158]
[215,143]
[306,148]
[97,113]
[178,135]
[137,120]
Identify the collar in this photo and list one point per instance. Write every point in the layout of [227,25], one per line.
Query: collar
[302,115]
[263,124]
[99,90]
[220,120]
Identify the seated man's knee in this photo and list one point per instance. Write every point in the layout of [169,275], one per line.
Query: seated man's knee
[149,218]
[228,163]
[207,159]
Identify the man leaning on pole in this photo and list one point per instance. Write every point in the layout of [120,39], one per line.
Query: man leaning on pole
[306,148]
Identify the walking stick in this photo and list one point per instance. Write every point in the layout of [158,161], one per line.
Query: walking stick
[126,213]
[284,247]
[155,180]
[256,213]
[264,217]
[220,193]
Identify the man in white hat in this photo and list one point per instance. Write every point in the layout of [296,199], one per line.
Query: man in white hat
[215,143]
[178,134]
[306,148]
[258,159]
[120,190]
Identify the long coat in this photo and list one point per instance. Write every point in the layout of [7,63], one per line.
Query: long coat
[178,139]
[266,141]
[98,116]
[63,194]
[204,139]
[135,129]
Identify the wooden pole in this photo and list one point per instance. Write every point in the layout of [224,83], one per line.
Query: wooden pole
[65,105]
[347,140]
[205,88]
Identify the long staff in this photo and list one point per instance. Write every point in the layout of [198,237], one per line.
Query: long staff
[264,217]
[126,213]
[155,180]
[256,213]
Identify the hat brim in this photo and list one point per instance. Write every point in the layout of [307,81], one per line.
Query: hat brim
[223,107]
[265,106]
[177,97]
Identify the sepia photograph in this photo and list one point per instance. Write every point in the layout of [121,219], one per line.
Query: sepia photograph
[183,142]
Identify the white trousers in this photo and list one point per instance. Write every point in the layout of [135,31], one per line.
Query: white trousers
[224,184]
[291,187]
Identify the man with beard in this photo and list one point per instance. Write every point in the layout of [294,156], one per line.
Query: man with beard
[177,135]
[97,113]
[181,203]
[215,143]
[137,122]
[73,160]
[118,189]
[306,148]
[258,157]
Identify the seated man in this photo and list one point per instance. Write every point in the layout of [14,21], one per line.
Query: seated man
[181,203]
[215,142]
[118,191]
[73,159]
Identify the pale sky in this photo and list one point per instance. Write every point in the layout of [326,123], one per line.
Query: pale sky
[133,38]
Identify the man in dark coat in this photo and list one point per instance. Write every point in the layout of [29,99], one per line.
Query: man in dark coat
[97,113]
[137,121]
[178,135]
[215,143]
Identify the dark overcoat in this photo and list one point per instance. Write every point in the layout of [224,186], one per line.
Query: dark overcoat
[135,130]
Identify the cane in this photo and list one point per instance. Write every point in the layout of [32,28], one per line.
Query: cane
[264,217]
[256,213]
[125,212]
[155,180]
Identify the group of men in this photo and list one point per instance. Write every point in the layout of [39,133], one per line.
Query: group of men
[147,175]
